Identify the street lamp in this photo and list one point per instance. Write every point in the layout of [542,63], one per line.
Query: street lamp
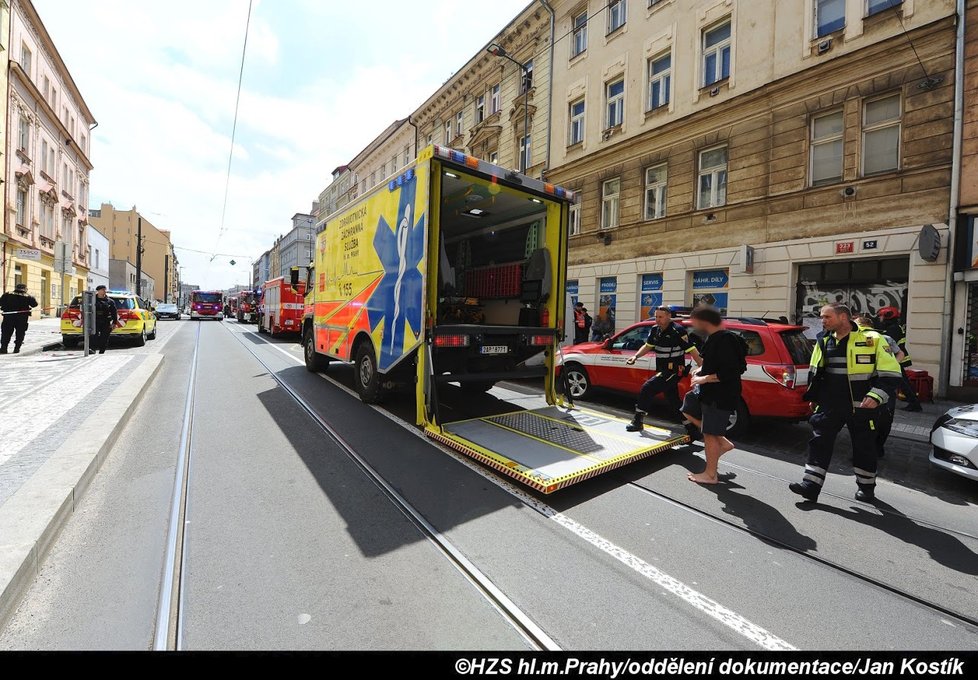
[497,50]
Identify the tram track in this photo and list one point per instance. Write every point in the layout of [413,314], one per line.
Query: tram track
[532,633]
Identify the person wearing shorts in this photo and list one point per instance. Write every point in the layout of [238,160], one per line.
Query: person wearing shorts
[716,388]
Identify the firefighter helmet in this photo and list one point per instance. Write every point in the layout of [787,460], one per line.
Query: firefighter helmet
[888,313]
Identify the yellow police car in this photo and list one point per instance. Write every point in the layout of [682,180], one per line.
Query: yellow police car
[135,314]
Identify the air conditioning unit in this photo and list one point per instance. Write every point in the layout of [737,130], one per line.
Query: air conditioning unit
[824,46]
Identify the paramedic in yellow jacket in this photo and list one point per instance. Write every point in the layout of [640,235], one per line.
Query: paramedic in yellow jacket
[853,377]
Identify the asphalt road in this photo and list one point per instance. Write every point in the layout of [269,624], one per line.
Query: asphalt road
[290,546]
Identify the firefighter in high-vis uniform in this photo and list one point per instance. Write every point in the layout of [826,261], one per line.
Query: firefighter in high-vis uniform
[853,377]
[670,342]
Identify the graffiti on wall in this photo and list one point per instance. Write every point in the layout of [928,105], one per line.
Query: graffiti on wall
[862,299]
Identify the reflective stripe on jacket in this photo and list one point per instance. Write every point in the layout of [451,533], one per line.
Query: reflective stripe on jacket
[872,369]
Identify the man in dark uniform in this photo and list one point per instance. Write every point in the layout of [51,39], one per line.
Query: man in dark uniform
[853,377]
[106,317]
[671,343]
[16,308]
[889,324]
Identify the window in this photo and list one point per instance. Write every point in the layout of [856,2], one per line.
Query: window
[655,192]
[459,123]
[22,208]
[616,103]
[616,15]
[407,155]
[716,54]
[576,123]
[24,134]
[54,98]
[44,155]
[830,16]
[45,86]
[47,221]
[827,148]
[877,6]
[610,203]
[52,164]
[660,81]
[480,108]
[27,60]
[881,135]
[495,103]
[373,178]
[712,178]
[526,152]
[449,133]
[574,219]
[527,83]
[494,157]
[632,340]
[579,44]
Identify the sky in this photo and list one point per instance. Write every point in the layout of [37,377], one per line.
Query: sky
[322,78]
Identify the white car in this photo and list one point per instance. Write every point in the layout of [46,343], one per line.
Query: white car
[955,441]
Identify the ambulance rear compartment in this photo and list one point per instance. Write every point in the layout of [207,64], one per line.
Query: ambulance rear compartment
[495,278]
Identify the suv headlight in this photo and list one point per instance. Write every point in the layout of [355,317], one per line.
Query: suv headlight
[965,427]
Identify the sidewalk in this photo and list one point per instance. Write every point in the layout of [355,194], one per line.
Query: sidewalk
[40,334]
[917,426]
[60,413]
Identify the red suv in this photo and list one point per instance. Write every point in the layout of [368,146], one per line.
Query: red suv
[776,378]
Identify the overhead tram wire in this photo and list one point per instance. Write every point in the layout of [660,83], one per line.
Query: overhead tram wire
[234,127]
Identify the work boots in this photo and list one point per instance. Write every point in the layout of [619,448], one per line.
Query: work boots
[866,494]
[16,349]
[638,422]
[807,490]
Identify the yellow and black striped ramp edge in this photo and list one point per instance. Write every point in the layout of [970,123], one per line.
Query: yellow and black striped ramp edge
[551,448]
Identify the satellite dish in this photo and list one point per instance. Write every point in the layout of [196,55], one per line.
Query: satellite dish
[929,243]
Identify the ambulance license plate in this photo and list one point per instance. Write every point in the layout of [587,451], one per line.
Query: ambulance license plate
[495,349]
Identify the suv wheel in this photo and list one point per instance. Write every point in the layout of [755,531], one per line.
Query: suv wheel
[578,382]
[740,421]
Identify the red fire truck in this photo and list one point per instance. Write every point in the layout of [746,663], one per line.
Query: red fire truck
[283,307]
[247,307]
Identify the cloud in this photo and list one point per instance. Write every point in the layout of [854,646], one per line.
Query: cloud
[321,80]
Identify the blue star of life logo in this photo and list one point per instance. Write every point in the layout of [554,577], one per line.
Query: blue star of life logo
[398,299]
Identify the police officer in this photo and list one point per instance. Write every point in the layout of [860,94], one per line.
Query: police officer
[889,323]
[671,343]
[854,375]
[16,309]
[106,317]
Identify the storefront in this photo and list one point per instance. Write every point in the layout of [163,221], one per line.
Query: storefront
[791,279]
[964,340]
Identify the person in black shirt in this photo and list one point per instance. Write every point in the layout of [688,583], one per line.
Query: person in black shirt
[16,309]
[106,317]
[670,342]
[717,388]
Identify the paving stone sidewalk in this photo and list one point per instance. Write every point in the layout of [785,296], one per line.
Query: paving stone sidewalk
[40,334]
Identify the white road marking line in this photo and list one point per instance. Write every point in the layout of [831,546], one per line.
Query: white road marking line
[756,634]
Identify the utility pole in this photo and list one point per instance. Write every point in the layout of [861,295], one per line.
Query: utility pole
[139,256]
[166,278]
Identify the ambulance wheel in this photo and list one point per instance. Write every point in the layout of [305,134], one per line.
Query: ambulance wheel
[315,362]
[740,421]
[366,379]
[69,342]
[578,382]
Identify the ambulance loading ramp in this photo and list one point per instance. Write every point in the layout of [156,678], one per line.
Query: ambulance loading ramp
[551,448]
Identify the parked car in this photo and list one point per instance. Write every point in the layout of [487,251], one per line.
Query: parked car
[135,314]
[774,385]
[167,311]
[954,441]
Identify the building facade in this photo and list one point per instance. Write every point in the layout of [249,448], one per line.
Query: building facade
[390,151]
[47,165]
[964,341]
[765,157]
[159,256]
[261,269]
[122,276]
[297,246]
[185,290]
[337,194]
[99,251]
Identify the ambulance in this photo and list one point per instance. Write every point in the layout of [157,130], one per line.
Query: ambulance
[450,276]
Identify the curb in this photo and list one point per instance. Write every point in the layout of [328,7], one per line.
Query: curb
[32,518]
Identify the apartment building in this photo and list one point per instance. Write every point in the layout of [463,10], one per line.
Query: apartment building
[47,165]
[764,156]
[297,246]
[337,194]
[390,151]
[99,250]
[159,261]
